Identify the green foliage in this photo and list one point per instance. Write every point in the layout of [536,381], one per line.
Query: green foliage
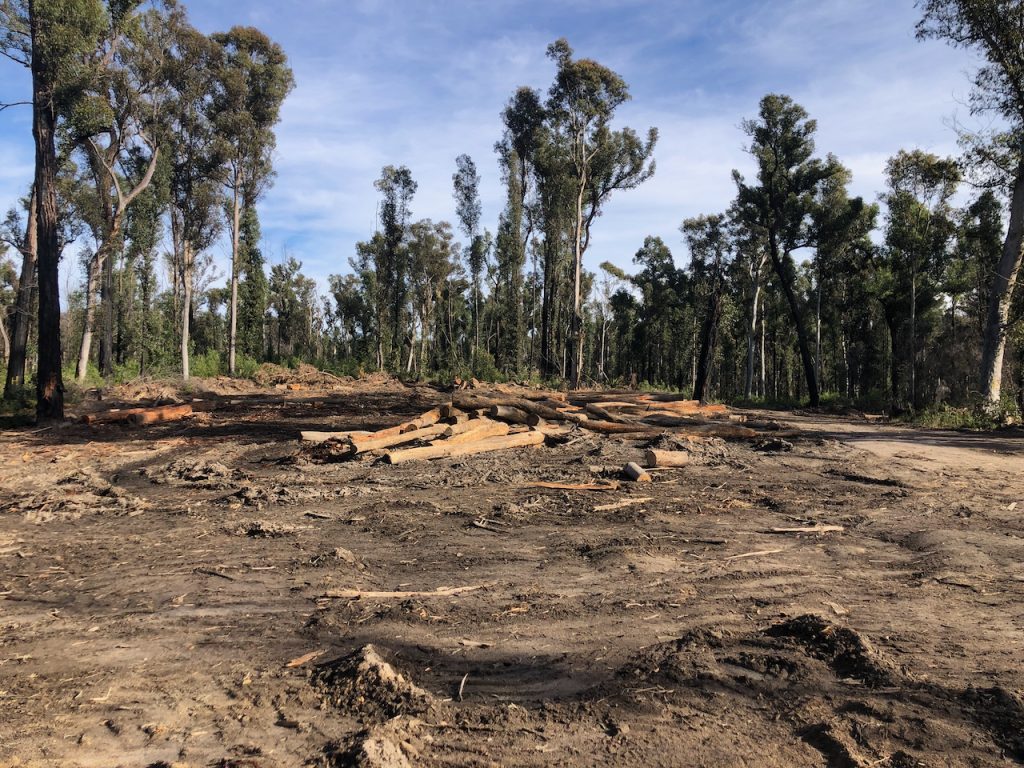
[208,364]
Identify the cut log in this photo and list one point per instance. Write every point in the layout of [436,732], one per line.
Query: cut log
[478,430]
[485,445]
[311,436]
[449,411]
[509,413]
[161,415]
[636,473]
[427,419]
[607,486]
[605,415]
[656,458]
[372,443]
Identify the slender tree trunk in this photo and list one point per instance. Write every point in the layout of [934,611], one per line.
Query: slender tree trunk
[913,335]
[236,221]
[89,320]
[106,286]
[707,346]
[576,328]
[798,320]
[49,381]
[817,327]
[22,320]
[186,304]
[748,384]
[5,337]
[1000,296]
[763,381]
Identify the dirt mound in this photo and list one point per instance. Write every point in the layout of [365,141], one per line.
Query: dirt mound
[1001,713]
[845,651]
[80,493]
[150,392]
[363,685]
[195,473]
[395,744]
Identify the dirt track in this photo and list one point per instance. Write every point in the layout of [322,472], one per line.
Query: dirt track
[155,583]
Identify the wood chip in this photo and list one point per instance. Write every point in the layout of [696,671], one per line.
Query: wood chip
[298,661]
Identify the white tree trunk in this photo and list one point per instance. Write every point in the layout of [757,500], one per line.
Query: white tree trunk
[186,304]
[1001,296]
[235,226]
[91,286]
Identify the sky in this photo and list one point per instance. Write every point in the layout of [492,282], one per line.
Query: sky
[418,82]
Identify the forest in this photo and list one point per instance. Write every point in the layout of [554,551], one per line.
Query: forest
[155,141]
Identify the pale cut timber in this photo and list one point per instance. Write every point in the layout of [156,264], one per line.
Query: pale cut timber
[811,529]
[622,504]
[481,428]
[161,415]
[486,445]
[464,426]
[656,458]
[609,486]
[449,411]
[425,420]
[361,445]
[312,436]
[605,415]
[636,473]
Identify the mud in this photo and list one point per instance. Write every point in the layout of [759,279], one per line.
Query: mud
[179,595]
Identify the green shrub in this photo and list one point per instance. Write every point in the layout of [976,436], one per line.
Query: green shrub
[206,365]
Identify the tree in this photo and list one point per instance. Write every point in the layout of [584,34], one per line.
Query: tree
[195,165]
[996,30]
[391,258]
[710,255]
[581,104]
[23,239]
[919,227]
[466,184]
[252,287]
[253,80]
[54,39]
[782,144]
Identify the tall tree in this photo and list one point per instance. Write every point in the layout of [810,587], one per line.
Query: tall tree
[581,104]
[781,203]
[707,238]
[22,239]
[252,82]
[995,29]
[397,187]
[54,38]
[466,185]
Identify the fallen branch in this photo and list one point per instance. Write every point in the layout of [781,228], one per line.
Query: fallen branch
[622,504]
[304,658]
[609,486]
[358,594]
[811,529]
[755,554]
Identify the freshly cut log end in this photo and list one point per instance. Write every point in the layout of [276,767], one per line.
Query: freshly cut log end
[636,473]
[656,458]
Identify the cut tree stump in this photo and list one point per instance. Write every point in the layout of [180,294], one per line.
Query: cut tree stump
[656,458]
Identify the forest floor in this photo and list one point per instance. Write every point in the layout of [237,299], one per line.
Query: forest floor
[174,595]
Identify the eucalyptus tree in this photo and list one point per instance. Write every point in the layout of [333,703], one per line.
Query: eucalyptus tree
[995,29]
[432,259]
[391,262]
[780,204]
[115,128]
[581,104]
[523,118]
[253,79]
[918,230]
[711,254]
[466,190]
[55,40]
[22,238]
[195,162]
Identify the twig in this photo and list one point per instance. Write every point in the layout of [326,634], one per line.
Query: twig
[622,504]
[300,660]
[462,685]
[211,572]
[356,594]
[755,554]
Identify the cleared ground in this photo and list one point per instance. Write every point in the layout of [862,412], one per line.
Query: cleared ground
[156,582]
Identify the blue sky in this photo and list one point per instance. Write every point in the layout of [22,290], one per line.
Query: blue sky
[417,82]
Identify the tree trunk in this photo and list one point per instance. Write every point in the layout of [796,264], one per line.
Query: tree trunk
[106,356]
[233,311]
[186,304]
[748,383]
[27,285]
[49,381]
[1001,295]
[801,332]
[89,321]
[707,346]
[576,327]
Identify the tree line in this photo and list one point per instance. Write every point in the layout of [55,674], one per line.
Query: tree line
[151,138]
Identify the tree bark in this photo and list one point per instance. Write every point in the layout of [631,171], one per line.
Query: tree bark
[803,342]
[748,383]
[1001,296]
[236,222]
[89,321]
[186,304]
[27,286]
[49,381]
[707,345]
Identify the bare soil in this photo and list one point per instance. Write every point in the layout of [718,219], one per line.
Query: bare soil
[175,596]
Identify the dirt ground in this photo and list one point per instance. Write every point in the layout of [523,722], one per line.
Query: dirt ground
[175,596]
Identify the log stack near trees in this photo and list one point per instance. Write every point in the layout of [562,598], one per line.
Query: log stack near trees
[506,417]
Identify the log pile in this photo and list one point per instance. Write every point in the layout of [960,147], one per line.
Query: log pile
[505,417]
